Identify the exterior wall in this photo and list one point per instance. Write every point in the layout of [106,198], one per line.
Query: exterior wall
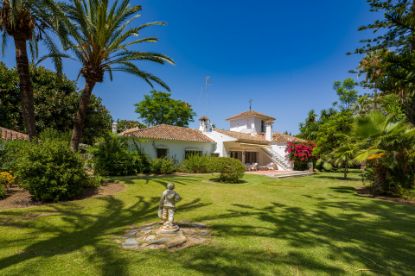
[220,139]
[175,149]
[280,149]
[246,125]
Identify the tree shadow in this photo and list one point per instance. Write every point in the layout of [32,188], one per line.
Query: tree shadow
[82,230]
[384,244]
[344,189]
[211,260]
[219,181]
[333,177]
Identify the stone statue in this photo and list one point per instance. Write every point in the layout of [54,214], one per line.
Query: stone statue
[167,208]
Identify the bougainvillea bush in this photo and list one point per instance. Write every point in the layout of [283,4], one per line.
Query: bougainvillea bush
[300,153]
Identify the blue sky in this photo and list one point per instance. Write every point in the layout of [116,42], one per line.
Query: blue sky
[285,55]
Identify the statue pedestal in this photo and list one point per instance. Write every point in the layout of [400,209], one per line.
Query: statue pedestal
[154,236]
[168,229]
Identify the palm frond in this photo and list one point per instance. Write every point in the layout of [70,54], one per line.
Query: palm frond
[102,37]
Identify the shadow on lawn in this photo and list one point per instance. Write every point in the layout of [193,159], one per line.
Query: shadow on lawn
[351,177]
[87,230]
[378,235]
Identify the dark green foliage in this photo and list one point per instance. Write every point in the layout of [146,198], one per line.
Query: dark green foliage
[56,102]
[388,149]
[162,166]
[230,170]
[346,91]
[198,164]
[10,151]
[333,132]
[308,129]
[159,108]
[2,191]
[392,31]
[50,171]
[111,156]
[300,166]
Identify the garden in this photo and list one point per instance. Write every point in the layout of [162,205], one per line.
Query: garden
[311,225]
[71,192]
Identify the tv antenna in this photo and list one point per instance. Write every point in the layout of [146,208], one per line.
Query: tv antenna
[204,93]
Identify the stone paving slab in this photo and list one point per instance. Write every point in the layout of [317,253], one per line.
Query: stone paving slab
[148,237]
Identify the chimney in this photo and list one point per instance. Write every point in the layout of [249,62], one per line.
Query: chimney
[114,127]
[205,125]
[268,130]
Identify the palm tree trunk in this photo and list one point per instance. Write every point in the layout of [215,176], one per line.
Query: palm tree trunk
[26,89]
[79,122]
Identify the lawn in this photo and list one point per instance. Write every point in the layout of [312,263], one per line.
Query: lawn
[300,226]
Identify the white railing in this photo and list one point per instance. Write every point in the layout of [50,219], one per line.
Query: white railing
[277,158]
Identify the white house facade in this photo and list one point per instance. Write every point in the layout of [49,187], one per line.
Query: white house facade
[250,138]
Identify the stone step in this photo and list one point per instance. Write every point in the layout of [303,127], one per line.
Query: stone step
[292,174]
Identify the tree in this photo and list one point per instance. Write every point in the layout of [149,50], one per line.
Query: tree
[55,104]
[346,91]
[123,125]
[389,60]
[388,148]
[333,132]
[102,37]
[310,126]
[395,31]
[159,108]
[343,156]
[30,20]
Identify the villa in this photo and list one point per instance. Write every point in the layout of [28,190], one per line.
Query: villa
[250,138]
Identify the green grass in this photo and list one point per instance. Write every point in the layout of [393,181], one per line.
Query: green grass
[300,226]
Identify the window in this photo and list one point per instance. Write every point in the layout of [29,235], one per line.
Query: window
[161,153]
[250,157]
[262,126]
[236,155]
[188,153]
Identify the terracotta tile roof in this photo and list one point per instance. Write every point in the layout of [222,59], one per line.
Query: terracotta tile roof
[245,137]
[259,138]
[8,134]
[250,114]
[168,132]
[284,138]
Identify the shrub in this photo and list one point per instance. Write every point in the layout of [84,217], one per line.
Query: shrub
[2,192]
[300,153]
[230,170]
[50,171]
[111,157]
[328,167]
[197,164]
[10,151]
[6,179]
[162,166]
[323,165]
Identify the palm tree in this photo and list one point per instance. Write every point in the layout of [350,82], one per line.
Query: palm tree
[101,37]
[343,156]
[30,21]
[388,146]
